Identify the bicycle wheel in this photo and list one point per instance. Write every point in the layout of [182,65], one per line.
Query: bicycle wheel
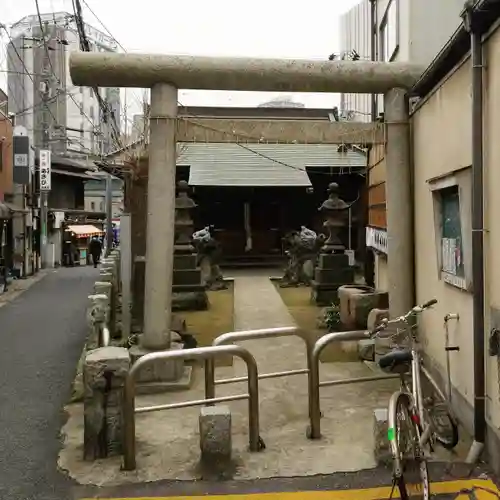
[410,467]
[444,424]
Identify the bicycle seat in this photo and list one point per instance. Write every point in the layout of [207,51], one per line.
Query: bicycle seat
[395,358]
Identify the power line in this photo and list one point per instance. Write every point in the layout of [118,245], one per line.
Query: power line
[43,35]
[111,35]
[45,44]
[85,46]
[25,68]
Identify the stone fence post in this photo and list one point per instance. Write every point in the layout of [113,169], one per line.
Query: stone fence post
[106,276]
[104,373]
[97,318]
[116,256]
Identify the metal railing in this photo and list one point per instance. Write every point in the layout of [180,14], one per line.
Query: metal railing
[314,430]
[265,333]
[206,353]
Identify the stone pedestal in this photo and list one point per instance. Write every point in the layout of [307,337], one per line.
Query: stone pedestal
[215,434]
[189,292]
[162,375]
[332,272]
[104,373]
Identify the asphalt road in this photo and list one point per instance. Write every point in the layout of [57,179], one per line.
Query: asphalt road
[42,333]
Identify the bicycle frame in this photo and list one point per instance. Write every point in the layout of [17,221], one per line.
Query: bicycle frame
[415,393]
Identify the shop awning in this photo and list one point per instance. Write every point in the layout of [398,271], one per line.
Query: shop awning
[85,230]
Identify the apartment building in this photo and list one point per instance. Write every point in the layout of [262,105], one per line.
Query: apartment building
[77,126]
[400,30]
[356,35]
[95,195]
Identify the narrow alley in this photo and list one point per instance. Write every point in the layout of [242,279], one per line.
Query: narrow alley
[42,332]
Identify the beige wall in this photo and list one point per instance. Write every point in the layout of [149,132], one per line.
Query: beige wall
[442,144]
[376,164]
[381,273]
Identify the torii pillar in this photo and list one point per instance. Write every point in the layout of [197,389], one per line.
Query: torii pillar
[165,74]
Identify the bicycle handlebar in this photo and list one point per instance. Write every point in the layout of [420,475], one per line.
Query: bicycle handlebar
[402,319]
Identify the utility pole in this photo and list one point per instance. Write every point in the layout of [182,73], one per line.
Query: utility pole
[109,214]
[44,194]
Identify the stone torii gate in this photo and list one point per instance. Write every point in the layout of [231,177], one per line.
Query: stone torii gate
[166,74]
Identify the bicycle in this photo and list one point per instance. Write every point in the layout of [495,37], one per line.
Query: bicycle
[415,422]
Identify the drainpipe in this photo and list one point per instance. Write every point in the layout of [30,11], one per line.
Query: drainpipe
[478,323]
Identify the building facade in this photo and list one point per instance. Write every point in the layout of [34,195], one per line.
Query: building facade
[444,140]
[445,181]
[401,30]
[95,196]
[77,126]
[356,34]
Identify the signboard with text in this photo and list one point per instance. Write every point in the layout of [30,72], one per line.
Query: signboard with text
[21,159]
[45,170]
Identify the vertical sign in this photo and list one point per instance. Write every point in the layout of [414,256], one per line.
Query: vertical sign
[21,157]
[45,170]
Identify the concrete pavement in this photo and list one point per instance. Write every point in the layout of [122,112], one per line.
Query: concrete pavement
[42,333]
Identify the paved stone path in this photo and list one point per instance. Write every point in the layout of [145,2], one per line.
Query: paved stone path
[257,304]
[42,333]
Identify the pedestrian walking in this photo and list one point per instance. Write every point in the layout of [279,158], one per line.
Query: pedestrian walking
[95,249]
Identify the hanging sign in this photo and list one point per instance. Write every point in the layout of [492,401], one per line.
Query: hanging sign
[20,160]
[45,170]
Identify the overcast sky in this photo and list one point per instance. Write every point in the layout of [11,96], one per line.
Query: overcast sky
[261,28]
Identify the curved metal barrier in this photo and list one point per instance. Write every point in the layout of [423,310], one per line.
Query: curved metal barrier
[207,353]
[314,430]
[265,333]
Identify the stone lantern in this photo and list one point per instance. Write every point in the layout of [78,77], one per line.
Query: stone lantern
[189,289]
[333,268]
[184,226]
[335,212]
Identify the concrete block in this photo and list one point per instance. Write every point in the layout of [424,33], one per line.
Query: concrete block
[215,433]
[161,370]
[102,287]
[381,450]
[104,373]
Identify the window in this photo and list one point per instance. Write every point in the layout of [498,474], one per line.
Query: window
[92,206]
[389,31]
[452,221]
[452,262]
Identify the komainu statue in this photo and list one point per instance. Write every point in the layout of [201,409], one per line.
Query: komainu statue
[209,252]
[301,248]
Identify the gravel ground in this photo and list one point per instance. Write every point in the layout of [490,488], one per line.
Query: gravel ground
[42,333]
